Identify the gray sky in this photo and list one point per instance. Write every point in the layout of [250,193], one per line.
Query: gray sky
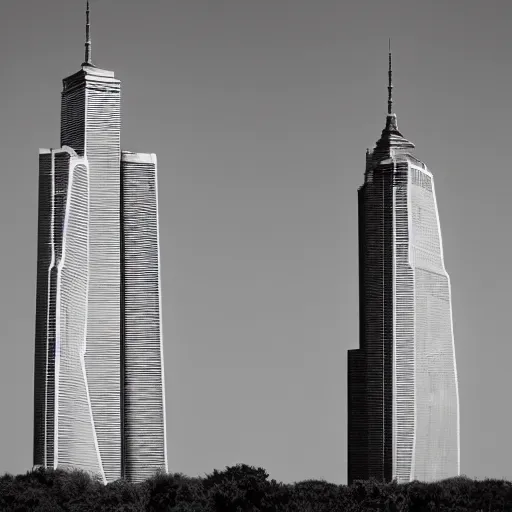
[260,112]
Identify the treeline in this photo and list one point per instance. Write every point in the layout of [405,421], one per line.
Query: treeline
[243,488]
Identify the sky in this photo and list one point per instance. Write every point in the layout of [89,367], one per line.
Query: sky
[260,113]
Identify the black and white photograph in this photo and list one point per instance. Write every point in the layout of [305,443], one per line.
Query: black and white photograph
[254,255]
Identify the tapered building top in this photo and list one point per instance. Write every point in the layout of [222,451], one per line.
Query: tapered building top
[391,138]
[87,61]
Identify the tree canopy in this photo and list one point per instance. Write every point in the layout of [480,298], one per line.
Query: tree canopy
[243,488]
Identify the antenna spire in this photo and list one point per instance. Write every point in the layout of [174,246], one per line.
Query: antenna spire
[87,37]
[390,83]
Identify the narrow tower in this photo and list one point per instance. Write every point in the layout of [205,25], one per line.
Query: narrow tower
[144,441]
[403,405]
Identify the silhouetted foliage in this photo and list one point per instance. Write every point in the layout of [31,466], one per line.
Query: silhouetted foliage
[243,488]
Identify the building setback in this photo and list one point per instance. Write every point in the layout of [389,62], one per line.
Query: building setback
[403,403]
[91,341]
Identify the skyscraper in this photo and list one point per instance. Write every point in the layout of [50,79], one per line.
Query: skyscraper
[144,443]
[403,403]
[98,349]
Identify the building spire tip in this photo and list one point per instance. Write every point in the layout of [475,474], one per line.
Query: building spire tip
[390,82]
[87,36]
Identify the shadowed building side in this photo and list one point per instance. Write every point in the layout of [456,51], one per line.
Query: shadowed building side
[357,454]
[144,446]
[377,315]
[44,389]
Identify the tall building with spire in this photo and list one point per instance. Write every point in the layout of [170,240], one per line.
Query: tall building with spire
[99,399]
[403,402]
